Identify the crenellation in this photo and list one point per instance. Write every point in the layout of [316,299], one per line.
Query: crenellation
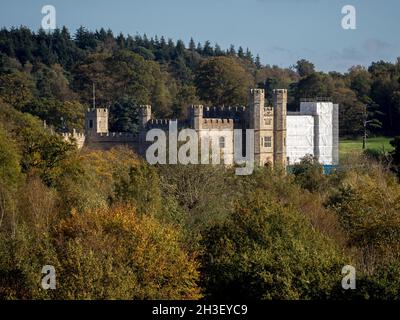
[268,122]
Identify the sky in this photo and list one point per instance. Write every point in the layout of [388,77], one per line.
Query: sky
[280,31]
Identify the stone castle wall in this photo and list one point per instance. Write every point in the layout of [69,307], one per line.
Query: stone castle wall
[212,124]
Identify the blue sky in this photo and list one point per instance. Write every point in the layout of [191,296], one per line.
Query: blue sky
[280,31]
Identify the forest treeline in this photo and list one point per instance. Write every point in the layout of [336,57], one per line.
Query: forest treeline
[115,227]
[54,74]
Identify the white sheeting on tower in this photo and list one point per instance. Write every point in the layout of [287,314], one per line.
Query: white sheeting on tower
[299,137]
[323,129]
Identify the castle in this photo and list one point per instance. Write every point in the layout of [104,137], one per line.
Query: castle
[280,137]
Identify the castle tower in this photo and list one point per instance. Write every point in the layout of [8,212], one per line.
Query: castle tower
[280,113]
[261,119]
[144,115]
[196,117]
[96,120]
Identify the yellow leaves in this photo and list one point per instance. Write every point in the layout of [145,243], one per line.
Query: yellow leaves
[139,249]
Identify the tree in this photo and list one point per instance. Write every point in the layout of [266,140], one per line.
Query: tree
[63,116]
[305,68]
[223,81]
[309,174]
[124,116]
[360,81]
[118,254]
[16,82]
[192,45]
[141,189]
[185,97]
[86,39]
[369,121]
[312,86]
[52,83]
[396,154]
[240,53]
[267,251]
[366,202]
[10,174]
[258,62]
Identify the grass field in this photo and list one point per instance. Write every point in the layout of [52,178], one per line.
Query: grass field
[355,145]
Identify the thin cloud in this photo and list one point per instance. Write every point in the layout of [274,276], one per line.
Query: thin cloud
[376,46]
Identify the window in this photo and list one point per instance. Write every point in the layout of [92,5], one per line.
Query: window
[222,142]
[90,124]
[267,142]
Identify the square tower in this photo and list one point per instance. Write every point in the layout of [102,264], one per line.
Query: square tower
[261,119]
[280,113]
[96,121]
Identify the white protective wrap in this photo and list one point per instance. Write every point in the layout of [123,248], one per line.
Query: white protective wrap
[299,137]
[323,129]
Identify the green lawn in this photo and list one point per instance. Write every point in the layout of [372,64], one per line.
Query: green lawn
[355,145]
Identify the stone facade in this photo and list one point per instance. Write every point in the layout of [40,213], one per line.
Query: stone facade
[217,125]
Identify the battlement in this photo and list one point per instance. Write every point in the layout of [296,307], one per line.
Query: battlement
[257,91]
[74,134]
[211,120]
[160,121]
[78,137]
[268,122]
[117,135]
[113,137]
[98,110]
[196,107]
[215,123]
[276,91]
[236,112]
[145,108]
[316,99]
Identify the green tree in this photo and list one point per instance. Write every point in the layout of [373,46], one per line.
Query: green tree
[267,251]
[223,81]
[305,68]
[309,174]
[141,189]
[396,154]
[124,116]
[17,82]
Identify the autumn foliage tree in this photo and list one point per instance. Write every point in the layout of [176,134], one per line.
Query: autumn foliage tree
[223,81]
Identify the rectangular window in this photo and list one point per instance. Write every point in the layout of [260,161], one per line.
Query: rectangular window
[90,124]
[267,142]
[222,142]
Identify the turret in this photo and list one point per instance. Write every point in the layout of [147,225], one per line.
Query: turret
[196,117]
[145,115]
[96,120]
[280,113]
[261,120]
